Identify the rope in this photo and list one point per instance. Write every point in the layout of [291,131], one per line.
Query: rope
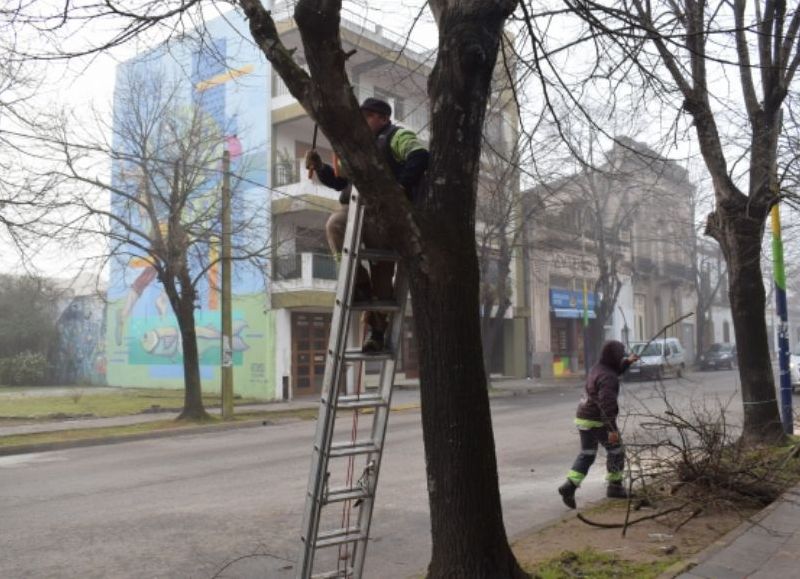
[347,506]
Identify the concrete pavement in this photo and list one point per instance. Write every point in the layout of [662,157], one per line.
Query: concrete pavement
[763,548]
[768,546]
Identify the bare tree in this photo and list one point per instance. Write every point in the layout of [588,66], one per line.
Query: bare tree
[22,202]
[708,271]
[438,245]
[675,51]
[500,223]
[164,213]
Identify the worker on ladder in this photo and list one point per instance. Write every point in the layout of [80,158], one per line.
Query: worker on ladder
[408,159]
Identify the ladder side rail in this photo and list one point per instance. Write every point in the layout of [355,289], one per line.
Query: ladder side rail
[330,385]
[381,420]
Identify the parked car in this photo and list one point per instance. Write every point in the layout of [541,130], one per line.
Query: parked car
[661,358]
[719,355]
[794,368]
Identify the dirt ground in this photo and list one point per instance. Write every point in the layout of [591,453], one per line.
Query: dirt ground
[654,540]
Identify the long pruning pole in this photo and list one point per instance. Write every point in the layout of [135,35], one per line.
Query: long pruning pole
[665,328]
[313,146]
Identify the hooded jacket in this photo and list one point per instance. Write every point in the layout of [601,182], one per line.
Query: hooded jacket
[599,402]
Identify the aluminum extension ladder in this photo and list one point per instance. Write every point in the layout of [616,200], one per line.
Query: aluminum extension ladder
[339,544]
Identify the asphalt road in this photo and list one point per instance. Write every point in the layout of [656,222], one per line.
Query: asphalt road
[188,506]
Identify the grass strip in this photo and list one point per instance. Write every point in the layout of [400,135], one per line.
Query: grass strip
[82,402]
[591,564]
[133,430]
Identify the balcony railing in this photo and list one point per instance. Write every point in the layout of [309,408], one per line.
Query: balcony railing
[645,265]
[304,271]
[288,267]
[677,271]
[286,172]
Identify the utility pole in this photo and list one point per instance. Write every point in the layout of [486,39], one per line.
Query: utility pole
[226,370]
[779,276]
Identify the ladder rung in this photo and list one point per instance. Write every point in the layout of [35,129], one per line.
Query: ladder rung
[334,574]
[346,494]
[378,255]
[376,306]
[339,449]
[359,356]
[339,537]
[360,401]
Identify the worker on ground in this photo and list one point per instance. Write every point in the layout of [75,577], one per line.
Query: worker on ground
[597,424]
[408,159]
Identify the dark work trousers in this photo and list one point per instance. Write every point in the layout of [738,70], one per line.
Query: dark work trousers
[381,272]
[591,438]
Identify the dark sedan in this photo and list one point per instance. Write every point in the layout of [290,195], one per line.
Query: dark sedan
[719,356]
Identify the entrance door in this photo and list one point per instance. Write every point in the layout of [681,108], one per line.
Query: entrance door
[309,345]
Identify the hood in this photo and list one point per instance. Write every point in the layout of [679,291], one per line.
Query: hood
[612,355]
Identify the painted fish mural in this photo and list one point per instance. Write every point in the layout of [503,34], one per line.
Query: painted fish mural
[166,342]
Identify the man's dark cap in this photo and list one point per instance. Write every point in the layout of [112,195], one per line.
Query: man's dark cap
[376,106]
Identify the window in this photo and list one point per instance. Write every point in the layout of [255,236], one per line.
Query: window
[639,316]
[659,314]
[726,331]
[673,315]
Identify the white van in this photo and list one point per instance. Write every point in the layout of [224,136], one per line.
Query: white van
[663,357]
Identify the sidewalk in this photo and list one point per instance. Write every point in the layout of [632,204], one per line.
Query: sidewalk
[405,395]
[764,548]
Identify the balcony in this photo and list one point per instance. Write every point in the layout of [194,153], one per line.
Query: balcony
[677,271]
[645,265]
[292,186]
[304,272]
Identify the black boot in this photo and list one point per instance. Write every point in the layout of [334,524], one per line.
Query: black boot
[373,343]
[567,492]
[615,490]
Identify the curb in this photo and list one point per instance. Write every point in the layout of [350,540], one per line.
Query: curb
[101,440]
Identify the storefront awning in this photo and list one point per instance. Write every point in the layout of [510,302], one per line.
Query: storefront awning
[572,313]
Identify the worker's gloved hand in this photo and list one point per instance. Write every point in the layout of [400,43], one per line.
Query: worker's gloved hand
[613,437]
[313,161]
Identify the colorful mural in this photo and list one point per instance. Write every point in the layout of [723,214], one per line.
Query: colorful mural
[226,79]
[80,356]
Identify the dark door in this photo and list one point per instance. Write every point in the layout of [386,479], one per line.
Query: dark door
[309,345]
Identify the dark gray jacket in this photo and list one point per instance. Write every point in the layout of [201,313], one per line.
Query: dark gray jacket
[599,400]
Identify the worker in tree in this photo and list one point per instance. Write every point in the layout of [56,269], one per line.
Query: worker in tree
[408,159]
[597,423]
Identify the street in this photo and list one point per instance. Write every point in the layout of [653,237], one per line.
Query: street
[185,506]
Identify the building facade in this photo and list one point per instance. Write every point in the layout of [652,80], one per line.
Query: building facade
[618,230]
[284,311]
[221,81]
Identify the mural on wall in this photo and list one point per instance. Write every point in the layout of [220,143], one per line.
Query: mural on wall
[143,338]
[80,356]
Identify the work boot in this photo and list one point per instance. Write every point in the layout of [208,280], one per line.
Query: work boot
[615,490]
[567,492]
[362,293]
[373,343]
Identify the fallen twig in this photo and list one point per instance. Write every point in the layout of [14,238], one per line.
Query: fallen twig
[694,513]
[630,523]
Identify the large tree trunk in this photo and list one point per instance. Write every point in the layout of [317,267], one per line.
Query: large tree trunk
[740,237]
[438,246]
[469,538]
[701,329]
[183,307]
